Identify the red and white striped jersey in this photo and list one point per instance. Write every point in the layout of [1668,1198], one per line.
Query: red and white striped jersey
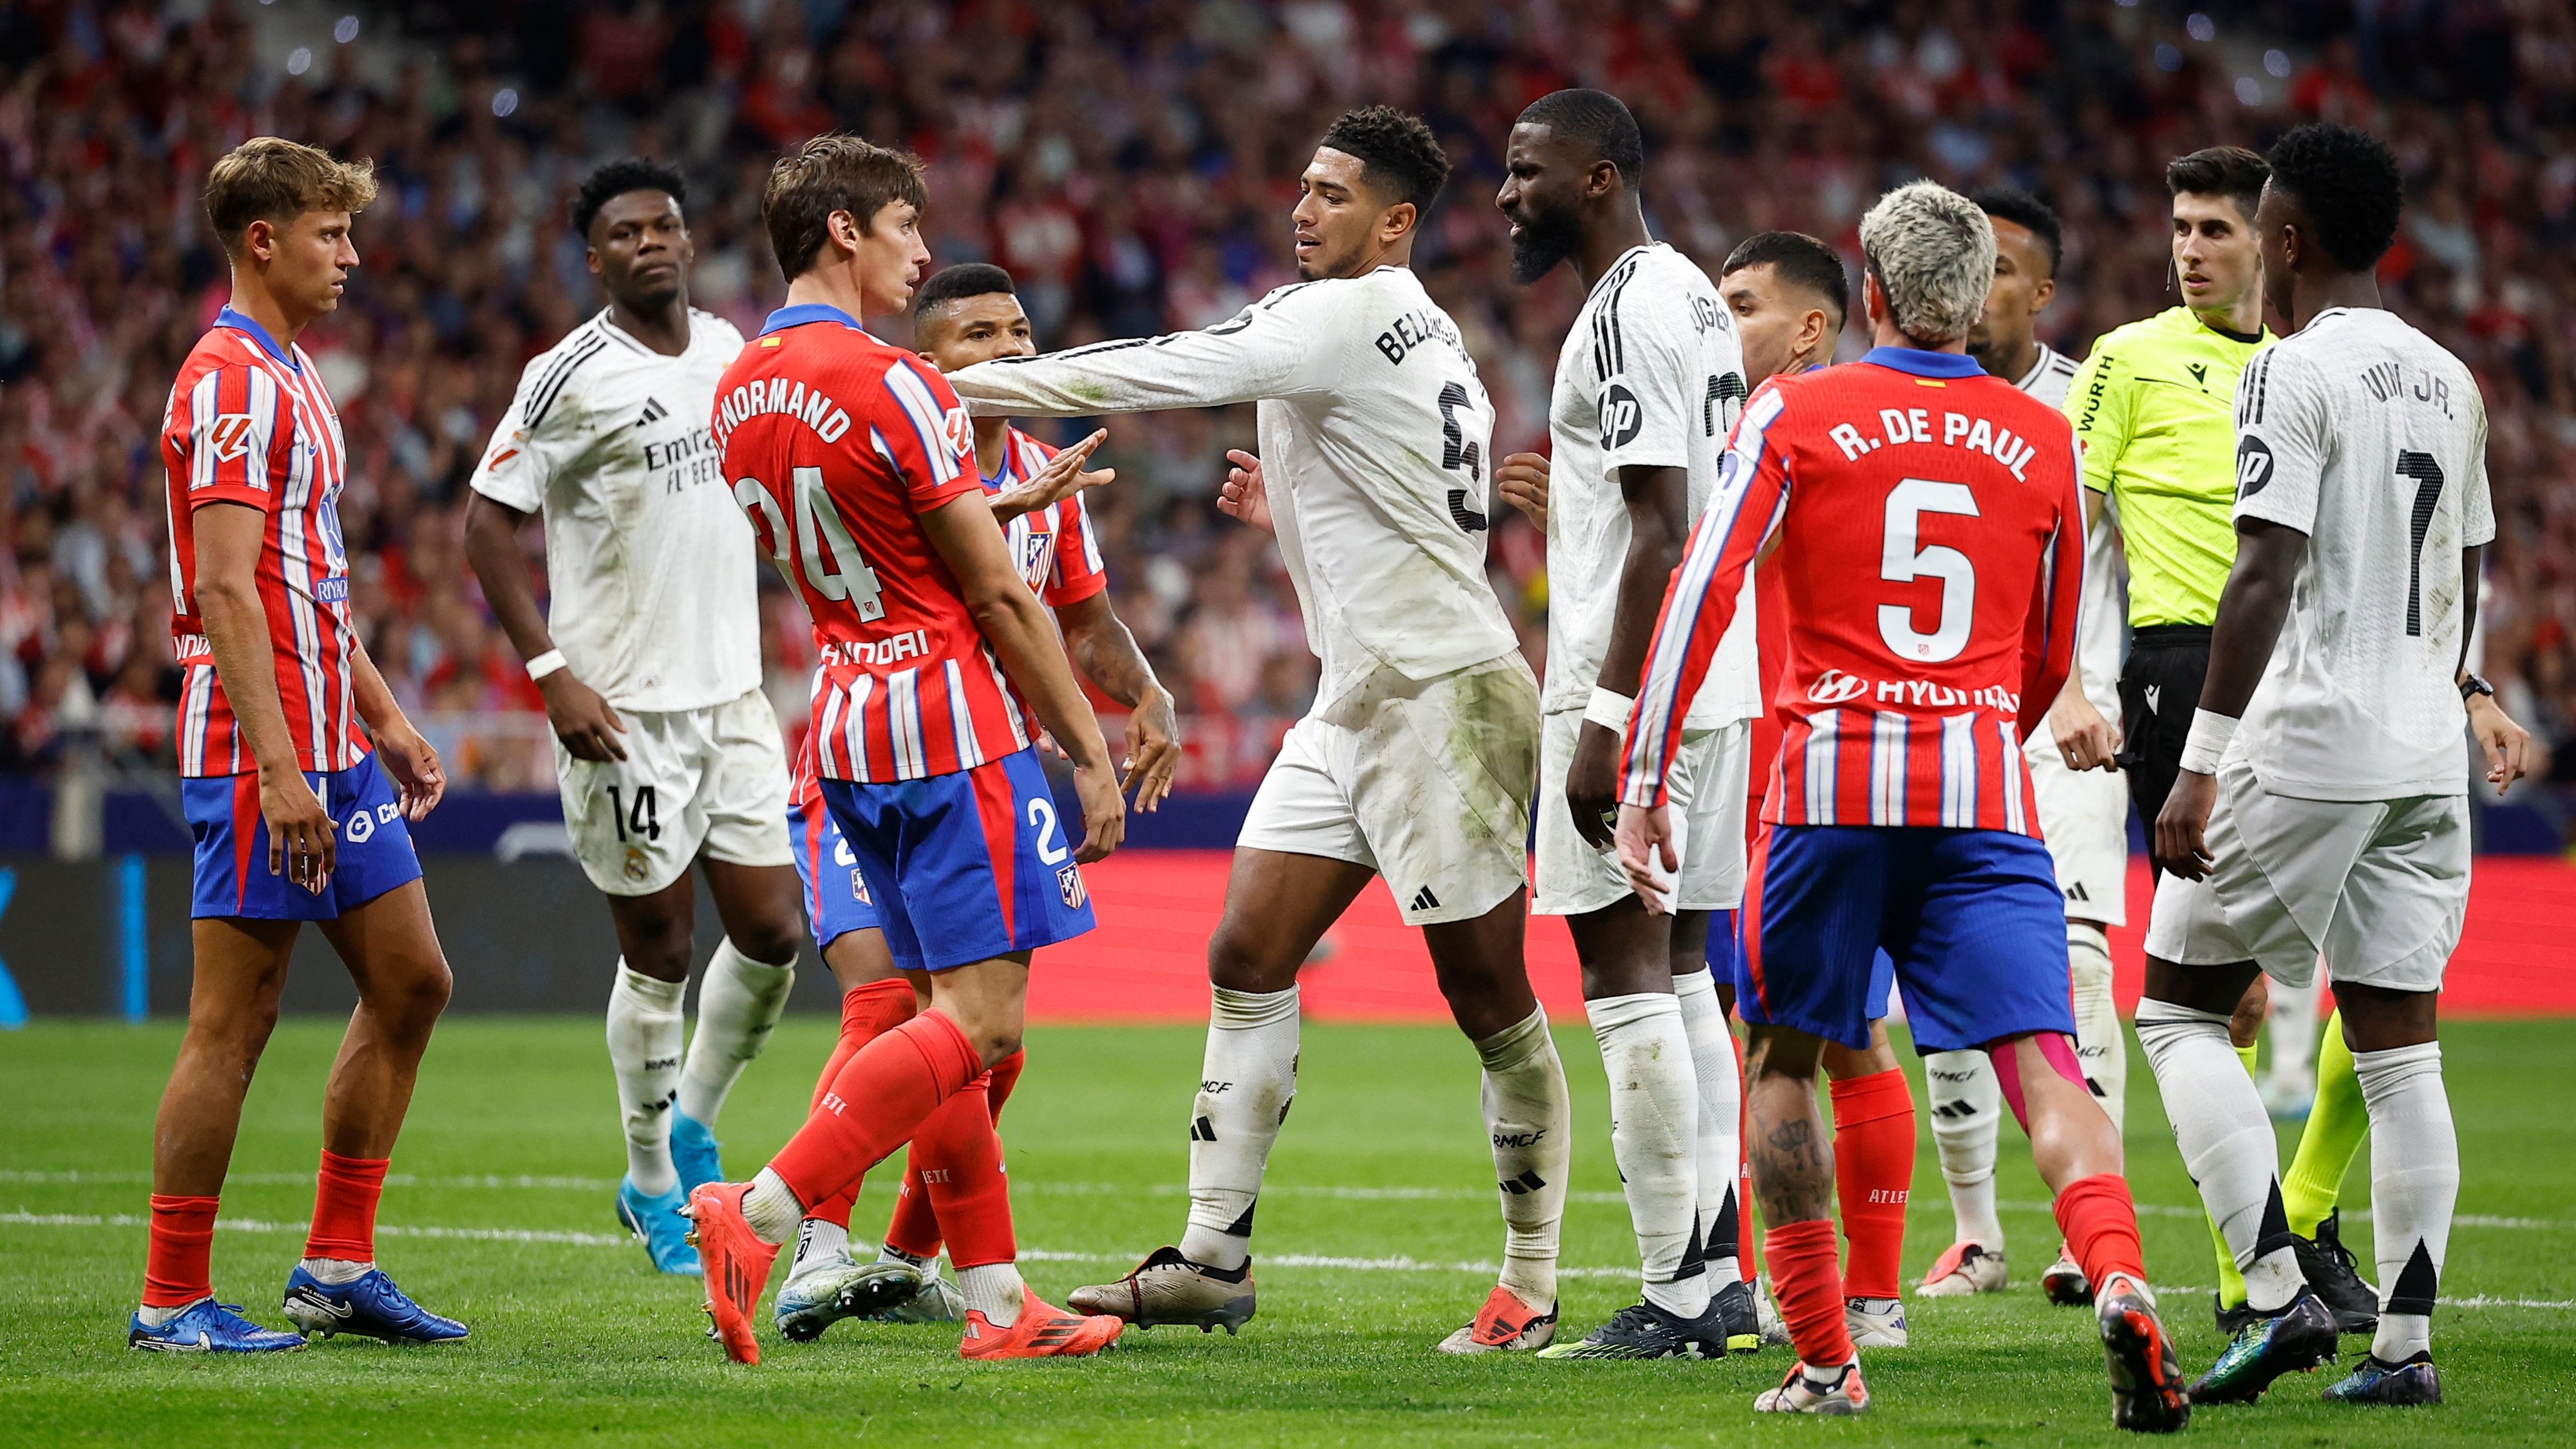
[250,423]
[1906,689]
[1058,553]
[836,443]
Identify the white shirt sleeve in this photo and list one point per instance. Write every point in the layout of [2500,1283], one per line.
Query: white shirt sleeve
[1285,345]
[540,433]
[2477,509]
[1650,397]
[2283,426]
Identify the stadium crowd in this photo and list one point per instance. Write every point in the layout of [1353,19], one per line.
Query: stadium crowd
[1132,164]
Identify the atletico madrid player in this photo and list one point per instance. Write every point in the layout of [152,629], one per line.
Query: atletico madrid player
[1901,814]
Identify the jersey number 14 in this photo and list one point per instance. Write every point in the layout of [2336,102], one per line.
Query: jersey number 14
[820,544]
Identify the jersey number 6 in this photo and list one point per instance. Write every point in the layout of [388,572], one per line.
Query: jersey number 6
[1901,562]
[819,530]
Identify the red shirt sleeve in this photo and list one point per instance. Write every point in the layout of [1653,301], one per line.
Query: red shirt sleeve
[1079,572]
[235,434]
[924,429]
[2048,638]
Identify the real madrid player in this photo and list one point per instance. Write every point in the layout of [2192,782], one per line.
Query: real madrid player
[666,751]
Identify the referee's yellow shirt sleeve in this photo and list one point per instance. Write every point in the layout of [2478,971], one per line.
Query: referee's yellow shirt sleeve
[2100,403]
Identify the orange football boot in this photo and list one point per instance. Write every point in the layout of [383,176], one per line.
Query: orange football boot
[1041,1331]
[736,1261]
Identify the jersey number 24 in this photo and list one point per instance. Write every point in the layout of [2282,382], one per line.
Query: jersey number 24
[819,531]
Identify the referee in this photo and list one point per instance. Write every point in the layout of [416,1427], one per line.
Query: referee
[2154,408]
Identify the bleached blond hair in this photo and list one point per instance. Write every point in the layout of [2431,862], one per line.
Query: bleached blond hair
[1933,252]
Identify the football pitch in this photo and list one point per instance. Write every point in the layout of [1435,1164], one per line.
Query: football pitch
[1377,1236]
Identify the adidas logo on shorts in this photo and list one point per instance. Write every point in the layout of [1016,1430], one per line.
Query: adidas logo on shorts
[1424,900]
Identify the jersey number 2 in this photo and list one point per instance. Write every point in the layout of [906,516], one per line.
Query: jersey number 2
[819,530]
[2427,474]
[1901,562]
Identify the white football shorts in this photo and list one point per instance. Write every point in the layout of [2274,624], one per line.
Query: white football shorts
[712,779]
[2084,817]
[1707,790]
[2379,887]
[1427,782]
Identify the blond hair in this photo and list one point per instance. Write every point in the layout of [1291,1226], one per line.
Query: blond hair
[1933,252]
[272,179]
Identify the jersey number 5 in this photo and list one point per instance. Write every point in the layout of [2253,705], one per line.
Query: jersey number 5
[819,531]
[1457,450]
[1901,562]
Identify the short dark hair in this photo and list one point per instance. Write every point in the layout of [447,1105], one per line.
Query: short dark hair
[829,174]
[272,179]
[957,283]
[616,179]
[2347,181]
[2012,204]
[1397,153]
[2229,171]
[1598,120]
[1801,260]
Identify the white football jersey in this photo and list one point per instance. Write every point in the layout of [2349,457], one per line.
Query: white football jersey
[1374,436]
[1651,375]
[2106,569]
[2368,437]
[649,560]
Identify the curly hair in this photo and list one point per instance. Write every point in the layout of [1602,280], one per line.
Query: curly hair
[2347,181]
[1598,120]
[1398,155]
[618,178]
[1933,252]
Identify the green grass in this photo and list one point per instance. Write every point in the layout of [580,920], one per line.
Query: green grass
[577,1341]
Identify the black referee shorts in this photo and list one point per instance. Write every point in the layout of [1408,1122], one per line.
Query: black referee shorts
[2159,690]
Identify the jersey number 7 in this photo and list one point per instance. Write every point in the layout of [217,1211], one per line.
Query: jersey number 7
[819,530]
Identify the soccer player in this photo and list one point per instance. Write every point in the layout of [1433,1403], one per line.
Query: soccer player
[856,463]
[666,751]
[296,818]
[1418,759]
[961,316]
[2322,800]
[2083,807]
[1901,816]
[1649,381]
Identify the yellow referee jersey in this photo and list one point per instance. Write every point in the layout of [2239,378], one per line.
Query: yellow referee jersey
[2154,408]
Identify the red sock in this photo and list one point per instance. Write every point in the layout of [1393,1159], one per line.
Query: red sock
[914,1227]
[2101,1227]
[1873,1172]
[1802,1275]
[867,1012]
[961,1170]
[876,1103]
[344,1208]
[177,1267]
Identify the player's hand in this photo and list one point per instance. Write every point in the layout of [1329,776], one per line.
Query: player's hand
[583,721]
[2179,847]
[2508,745]
[1061,478]
[1646,837]
[1592,785]
[1245,496]
[1104,814]
[302,843]
[1522,480]
[2084,737]
[1153,749]
[420,781]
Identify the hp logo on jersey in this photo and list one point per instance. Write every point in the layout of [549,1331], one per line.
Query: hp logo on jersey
[2253,465]
[1620,416]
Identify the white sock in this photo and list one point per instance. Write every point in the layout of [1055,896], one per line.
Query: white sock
[2293,1030]
[1967,1115]
[1721,1121]
[1527,1117]
[738,1002]
[1245,1087]
[2414,1186]
[818,1241]
[2101,1047]
[771,1209]
[2226,1141]
[337,1271]
[1654,1138]
[644,1052]
[994,1290]
[889,1253]
[152,1317]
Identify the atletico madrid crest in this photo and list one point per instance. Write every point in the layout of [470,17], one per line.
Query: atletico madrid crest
[1068,883]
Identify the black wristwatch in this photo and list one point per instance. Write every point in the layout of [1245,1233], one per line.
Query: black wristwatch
[2471,684]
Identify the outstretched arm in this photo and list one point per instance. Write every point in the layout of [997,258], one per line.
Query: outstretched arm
[1277,347]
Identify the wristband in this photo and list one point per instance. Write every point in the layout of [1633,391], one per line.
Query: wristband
[2207,743]
[545,664]
[1609,709]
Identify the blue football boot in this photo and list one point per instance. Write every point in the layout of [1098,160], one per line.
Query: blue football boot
[693,1152]
[2294,1340]
[2415,1381]
[657,1224]
[371,1306]
[206,1326]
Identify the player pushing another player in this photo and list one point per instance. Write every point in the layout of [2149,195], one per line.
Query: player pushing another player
[857,466]
[1901,815]
[296,818]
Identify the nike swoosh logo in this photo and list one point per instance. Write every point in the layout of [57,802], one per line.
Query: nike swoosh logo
[316,1300]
